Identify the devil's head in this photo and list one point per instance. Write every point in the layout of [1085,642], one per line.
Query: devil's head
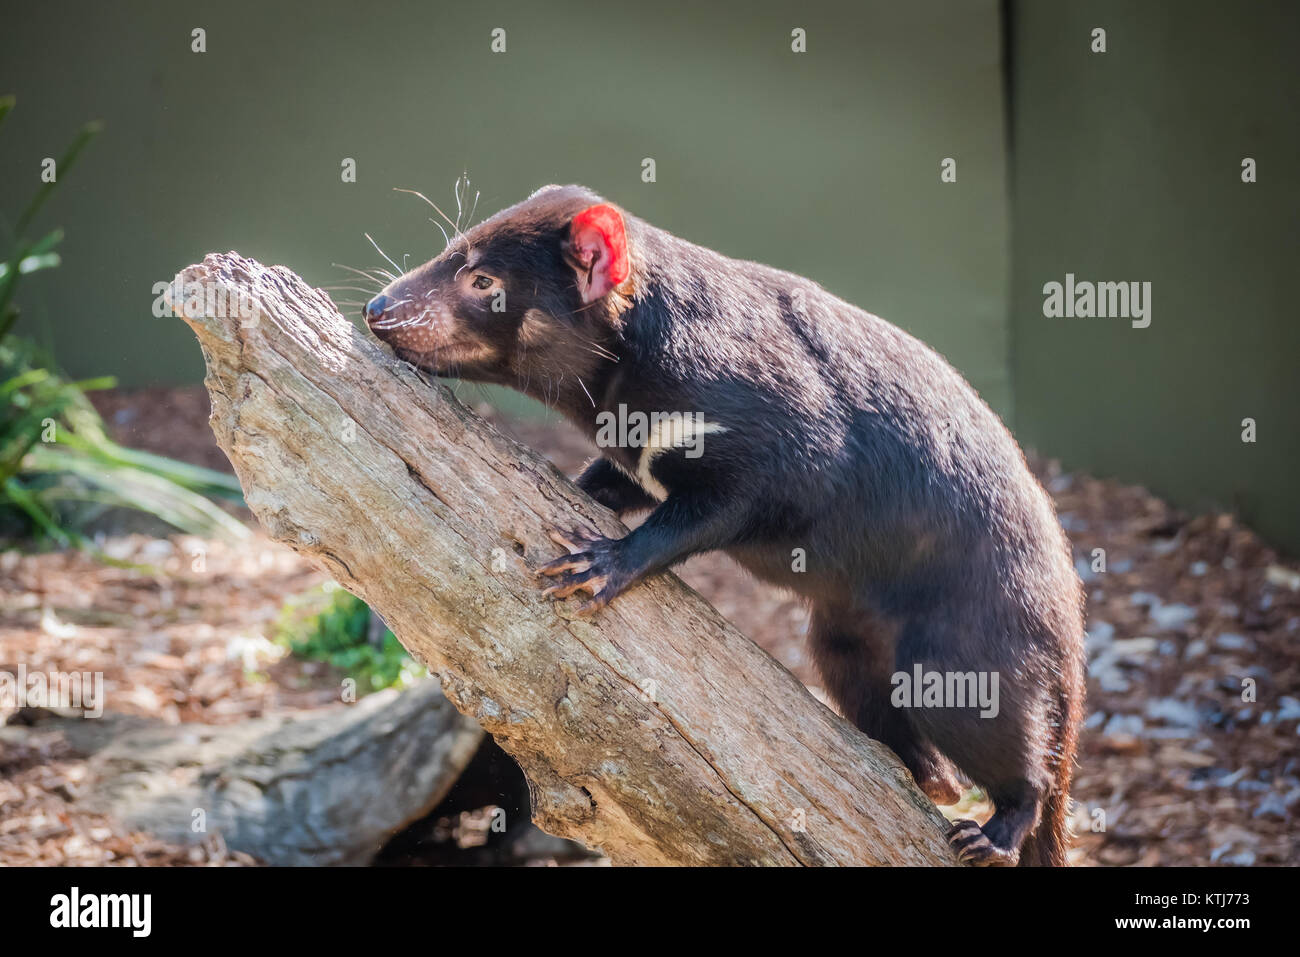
[532,291]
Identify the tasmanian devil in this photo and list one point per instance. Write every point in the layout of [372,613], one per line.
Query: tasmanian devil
[822,448]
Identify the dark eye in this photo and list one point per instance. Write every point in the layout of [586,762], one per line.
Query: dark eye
[482,282]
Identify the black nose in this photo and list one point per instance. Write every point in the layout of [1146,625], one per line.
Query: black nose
[376,307]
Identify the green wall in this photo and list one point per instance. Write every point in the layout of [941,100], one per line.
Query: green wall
[1127,166]
[825,163]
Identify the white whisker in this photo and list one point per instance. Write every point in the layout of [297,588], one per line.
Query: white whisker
[363,273]
[446,240]
[382,253]
[431,203]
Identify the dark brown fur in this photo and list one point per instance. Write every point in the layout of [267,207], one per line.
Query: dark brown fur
[927,541]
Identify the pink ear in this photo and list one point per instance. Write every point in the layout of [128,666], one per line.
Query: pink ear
[598,244]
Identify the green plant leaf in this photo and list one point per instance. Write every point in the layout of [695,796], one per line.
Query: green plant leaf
[65,164]
[23,380]
[128,487]
[31,264]
[16,493]
[196,478]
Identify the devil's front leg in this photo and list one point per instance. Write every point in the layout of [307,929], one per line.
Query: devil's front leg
[685,523]
[610,486]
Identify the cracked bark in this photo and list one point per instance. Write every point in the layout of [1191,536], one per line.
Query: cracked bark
[655,731]
[323,787]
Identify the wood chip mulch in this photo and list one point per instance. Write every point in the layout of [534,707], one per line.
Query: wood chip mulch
[1191,753]
[181,632]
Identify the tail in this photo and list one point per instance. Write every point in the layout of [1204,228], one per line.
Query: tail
[1046,846]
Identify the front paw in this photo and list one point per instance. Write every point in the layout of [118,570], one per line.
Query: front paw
[591,566]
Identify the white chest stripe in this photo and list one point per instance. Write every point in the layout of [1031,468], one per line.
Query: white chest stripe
[670,433]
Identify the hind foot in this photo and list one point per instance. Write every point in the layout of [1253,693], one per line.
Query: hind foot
[973,847]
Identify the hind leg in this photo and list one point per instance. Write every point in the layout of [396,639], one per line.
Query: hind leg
[855,658]
[1001,743]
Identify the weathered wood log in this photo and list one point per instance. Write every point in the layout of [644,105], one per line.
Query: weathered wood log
[326,786]
[655,732]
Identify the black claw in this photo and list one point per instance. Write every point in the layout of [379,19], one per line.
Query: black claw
[963,826]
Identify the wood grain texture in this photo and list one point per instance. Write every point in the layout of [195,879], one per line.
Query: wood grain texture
[655,731]
[323,787]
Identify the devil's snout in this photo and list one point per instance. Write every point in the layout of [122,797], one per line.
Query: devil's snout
[375,308]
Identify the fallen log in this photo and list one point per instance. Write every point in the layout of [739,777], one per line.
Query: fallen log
[655,732]
[326,786]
